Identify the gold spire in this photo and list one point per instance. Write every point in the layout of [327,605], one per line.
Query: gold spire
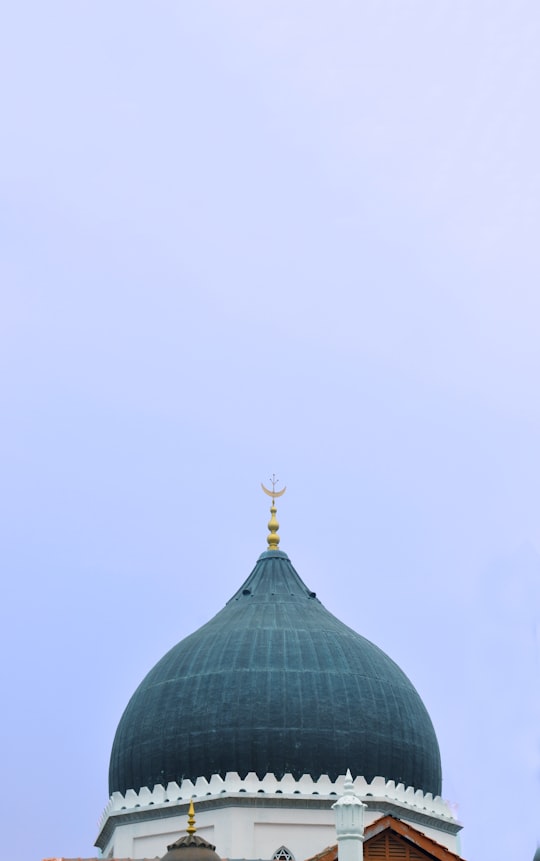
[273,525]
[191,829]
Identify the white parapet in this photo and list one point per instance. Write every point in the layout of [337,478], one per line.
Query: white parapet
[246,815]
[378,789]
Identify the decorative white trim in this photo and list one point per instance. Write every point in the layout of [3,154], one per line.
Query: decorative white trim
[378,789]
[283,854]
[349,823]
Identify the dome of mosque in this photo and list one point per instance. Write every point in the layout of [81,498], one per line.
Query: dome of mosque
[191,848]
[275,683]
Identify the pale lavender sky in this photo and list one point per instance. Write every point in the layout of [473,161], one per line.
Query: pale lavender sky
[246,237]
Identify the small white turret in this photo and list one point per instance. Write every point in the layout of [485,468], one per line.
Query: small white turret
[349,823]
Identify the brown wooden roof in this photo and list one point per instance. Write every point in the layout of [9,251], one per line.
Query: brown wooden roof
[390,839]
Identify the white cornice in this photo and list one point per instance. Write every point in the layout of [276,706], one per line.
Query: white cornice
[378,790]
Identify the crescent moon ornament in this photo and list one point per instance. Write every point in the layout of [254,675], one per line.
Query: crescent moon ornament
[273,538]
[273,493]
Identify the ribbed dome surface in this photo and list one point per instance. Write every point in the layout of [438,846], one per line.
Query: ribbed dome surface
[275,683]
[191,848]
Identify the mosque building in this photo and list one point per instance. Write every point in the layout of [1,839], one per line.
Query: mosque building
[258,716]
[280,723]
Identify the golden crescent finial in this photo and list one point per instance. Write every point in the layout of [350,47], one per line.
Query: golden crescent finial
[273,525]
[273,493]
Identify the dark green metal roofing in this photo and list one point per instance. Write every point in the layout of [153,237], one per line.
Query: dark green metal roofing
[275,683]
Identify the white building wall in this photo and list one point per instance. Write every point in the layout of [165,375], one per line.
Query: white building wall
[237,832]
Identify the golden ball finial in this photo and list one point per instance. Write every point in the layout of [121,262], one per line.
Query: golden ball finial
[273,526]
[191,829]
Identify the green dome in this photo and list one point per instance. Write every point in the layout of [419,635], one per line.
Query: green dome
[275,683]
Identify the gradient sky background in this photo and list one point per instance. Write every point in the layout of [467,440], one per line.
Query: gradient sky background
[246,237]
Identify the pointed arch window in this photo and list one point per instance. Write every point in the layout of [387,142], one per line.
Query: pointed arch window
[282,854]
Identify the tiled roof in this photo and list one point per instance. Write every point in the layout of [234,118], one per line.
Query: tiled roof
[397,826]
[328,854]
